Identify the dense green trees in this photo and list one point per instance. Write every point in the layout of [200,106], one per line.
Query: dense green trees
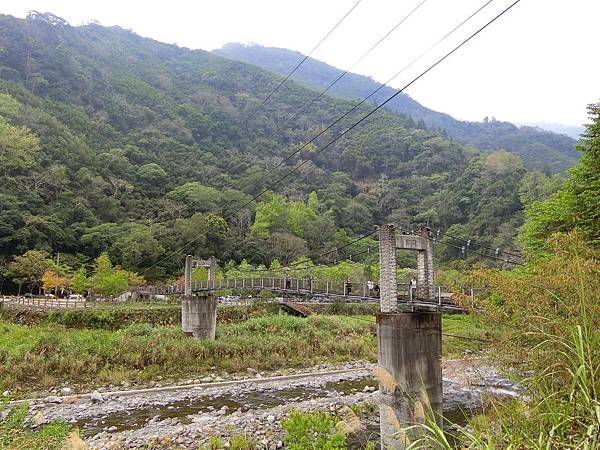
[36,270]
[29,269]
[19,148]
[135,148]
[576,205]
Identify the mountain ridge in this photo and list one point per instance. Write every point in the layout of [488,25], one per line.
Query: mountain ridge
[539,149]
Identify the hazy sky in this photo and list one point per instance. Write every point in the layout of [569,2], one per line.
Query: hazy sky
[535,64]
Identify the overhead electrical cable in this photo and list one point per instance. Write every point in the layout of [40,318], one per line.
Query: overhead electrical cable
[475,243]
[378,107]
[287,77]
[318,96]
[352,66]
[380,87]
[381,105]
[459,247]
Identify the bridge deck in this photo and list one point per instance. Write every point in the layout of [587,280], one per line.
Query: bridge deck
[315,290]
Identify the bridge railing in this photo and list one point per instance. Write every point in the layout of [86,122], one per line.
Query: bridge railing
[49,302]
[440,294]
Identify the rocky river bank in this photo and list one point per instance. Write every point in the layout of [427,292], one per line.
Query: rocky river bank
[187,416]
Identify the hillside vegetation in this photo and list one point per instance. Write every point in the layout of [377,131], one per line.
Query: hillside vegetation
[121,144]
[539,149]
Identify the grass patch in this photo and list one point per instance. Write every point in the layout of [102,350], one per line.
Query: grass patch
[122,315]
[46,355]
[312,430]
[469,326]
[14,433]
[41,356]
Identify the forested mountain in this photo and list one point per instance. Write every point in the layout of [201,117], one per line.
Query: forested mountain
[539,149]
[114,142]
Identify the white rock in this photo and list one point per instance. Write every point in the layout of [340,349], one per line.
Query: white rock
[66,391]
[206,379]
[97,397]
[53,399]
[270,418]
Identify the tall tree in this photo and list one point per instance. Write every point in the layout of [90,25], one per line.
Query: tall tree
[29,268]
[576,206]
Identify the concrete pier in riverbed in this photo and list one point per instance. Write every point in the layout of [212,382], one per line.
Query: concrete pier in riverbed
[199,316]
[410,351]
[199,313]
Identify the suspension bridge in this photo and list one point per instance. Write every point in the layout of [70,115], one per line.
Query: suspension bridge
[313,291]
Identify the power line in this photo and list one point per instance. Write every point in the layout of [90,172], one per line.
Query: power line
[318,96]
[282,82]
[382,104]
[381,86]
[480,254]
[343,74]
[390,98]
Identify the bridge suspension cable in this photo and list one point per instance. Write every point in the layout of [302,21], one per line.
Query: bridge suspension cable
[329,252]
[381,105]
[180,253]
[287,77]
[475,243]
[463,247]
[302,265]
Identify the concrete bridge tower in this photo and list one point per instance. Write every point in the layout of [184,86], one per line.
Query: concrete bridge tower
[199,313]
[409,343]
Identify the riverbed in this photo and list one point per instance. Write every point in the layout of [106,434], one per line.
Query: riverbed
[187,416]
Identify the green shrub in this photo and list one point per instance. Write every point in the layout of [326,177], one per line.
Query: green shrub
[312,430]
